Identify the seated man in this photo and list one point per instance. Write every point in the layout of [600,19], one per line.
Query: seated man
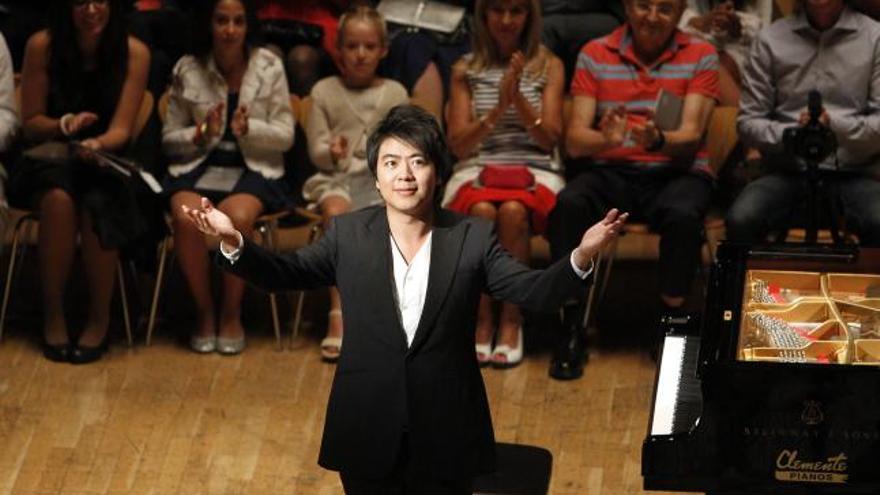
[661,176]
[833,49]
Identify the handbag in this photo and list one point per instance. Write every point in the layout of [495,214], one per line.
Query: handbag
[507,176]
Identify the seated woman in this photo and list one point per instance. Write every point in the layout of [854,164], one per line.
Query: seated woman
[344,109]
[505,120]
[228,123]
[83,80]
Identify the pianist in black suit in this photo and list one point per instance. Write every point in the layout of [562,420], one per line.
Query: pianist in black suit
[407,411]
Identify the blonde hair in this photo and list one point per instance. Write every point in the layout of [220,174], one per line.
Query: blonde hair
[362,13]
[485,53]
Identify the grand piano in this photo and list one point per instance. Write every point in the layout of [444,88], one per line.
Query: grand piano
[776,388]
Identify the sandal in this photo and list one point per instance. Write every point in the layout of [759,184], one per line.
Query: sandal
[484,353]
[331,347]
[512,356]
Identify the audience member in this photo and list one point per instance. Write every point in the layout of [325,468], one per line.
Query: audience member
[570,24]
[662,177]
[344,110]
[162,26]
[831,48]
[83,79]
[731,26]
[228,123]
[505,120]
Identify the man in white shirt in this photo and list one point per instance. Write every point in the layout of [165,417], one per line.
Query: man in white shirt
[408,411]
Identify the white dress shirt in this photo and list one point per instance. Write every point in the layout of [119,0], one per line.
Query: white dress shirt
[410,280]
[410,285]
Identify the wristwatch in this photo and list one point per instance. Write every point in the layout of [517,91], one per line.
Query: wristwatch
[658,143]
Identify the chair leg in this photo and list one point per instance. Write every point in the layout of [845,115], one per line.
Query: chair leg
[270,229]
[157,287]
[300,299]
[123,296]
[10,271]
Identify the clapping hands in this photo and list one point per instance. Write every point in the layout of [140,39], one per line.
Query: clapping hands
[509,85]
[338,148]
[613,126]
[240,121]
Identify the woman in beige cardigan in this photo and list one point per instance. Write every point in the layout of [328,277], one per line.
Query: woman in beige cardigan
[344,109]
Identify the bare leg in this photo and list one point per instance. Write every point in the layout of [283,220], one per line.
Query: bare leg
[243,210]
[513,234]
[330,207]
[484,329]
[189,245]
[728,81]
[100,265]
[57,245]
[428,91]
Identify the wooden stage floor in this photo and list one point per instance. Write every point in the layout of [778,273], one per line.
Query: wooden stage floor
[163,420]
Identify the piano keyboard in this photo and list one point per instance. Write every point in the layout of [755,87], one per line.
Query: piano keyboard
[678,400]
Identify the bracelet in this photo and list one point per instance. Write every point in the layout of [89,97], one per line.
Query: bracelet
[63,122]
[658,143]
[536,123]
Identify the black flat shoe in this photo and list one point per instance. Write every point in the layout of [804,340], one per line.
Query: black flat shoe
[81,354]
[568,361]
[571,351]
[60,353]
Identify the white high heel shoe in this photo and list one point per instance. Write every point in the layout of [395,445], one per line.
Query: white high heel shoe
[512,355]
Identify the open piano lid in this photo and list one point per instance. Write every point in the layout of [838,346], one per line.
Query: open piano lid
[781,420]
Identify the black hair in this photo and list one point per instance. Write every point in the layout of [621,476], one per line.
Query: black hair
[419,129]
[67,64]
[202,18]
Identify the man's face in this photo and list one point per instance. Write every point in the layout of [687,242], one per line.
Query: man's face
[653,22]
[406,179]
[823,13]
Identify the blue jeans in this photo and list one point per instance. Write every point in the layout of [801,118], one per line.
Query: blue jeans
[776,201]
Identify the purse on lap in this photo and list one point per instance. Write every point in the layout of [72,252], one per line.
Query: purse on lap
[506,176]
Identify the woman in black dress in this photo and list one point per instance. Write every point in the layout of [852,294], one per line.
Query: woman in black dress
[83,79]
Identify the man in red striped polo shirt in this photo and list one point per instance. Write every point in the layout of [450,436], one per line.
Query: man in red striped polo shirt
[661,177]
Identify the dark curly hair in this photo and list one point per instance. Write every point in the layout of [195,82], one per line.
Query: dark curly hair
[203,39]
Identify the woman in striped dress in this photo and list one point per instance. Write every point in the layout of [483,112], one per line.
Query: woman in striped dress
[504,123]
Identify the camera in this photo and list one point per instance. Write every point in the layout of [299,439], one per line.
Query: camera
[814,141]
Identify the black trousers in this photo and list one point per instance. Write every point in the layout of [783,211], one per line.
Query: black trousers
[404,480]
[673,203]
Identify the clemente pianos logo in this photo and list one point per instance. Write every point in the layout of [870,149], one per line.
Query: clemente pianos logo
[830,470]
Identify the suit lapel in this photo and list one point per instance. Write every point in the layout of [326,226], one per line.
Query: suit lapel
[446,244]
[380,277]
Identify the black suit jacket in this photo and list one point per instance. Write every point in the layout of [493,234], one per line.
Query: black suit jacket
[433,389]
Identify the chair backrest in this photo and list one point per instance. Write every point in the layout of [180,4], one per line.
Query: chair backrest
[721,136]
[143,115]
[305,106]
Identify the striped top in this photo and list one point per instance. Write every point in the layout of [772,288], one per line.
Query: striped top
[608,70]
[509,141]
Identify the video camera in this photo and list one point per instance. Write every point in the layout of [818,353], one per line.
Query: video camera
[814,141]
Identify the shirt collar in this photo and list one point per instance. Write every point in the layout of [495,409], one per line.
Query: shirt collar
[848,21]
[620,40]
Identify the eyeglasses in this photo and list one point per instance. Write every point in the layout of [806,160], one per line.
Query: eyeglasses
[80,4]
